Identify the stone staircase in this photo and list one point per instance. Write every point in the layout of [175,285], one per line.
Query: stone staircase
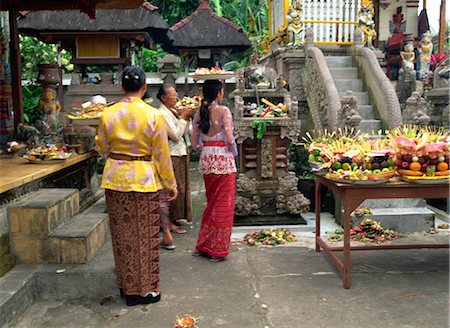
[345,75]
[47,228]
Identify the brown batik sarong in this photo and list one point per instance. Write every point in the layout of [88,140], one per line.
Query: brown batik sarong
[181,207]
[134,224]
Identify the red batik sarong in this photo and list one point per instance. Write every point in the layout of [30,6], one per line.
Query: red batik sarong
[217,220]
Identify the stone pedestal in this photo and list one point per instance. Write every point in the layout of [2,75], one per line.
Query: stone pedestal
[439,99]
[168,66]
[293,63]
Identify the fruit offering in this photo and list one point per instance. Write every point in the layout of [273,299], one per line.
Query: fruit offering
[90,112]
[270,110]
[47,153]
[207,71]
[421,151]
[188,102]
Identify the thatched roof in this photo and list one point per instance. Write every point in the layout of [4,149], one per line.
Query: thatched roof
[145,18]
[205,29]
[86,6]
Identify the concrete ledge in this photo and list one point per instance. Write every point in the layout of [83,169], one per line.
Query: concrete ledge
[17,293]
[402,219]
[80,238]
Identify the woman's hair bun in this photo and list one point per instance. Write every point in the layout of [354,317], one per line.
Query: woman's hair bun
[133,78]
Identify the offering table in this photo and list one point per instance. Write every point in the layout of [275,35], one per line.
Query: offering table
[352,195]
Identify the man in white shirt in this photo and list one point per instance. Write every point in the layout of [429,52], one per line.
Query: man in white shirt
[177,131]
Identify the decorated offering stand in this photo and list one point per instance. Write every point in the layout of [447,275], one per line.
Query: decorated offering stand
[359,167]
[264,186]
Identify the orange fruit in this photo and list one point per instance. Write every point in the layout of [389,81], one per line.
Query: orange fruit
[442,166]
[415,166]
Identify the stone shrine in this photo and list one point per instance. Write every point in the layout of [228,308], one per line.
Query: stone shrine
[265,187]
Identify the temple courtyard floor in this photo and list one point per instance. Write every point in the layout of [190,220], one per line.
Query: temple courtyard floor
[290,286]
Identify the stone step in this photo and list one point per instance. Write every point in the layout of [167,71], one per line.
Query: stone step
[42,212]
[392,203]
[366,112]
[405,220]
[339,61]
[78,240]
[342,85]
[363,97]
[344,72]
[368,125]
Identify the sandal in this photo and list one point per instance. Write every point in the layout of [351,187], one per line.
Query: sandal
[169,247]
[217,258]
[133,300]
[184,222]
[198,253]
[179,230]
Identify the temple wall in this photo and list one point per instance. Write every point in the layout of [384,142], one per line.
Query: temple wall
[409,14]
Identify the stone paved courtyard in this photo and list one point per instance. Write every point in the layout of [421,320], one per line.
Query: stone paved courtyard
[285,287]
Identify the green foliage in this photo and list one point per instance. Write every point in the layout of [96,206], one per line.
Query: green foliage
[175,10]
[34,52]
[299,155]
[261,127]
[150,58]
[31,96]
[251,15]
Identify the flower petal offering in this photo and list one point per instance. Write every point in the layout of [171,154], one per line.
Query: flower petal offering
[47,154]
[188,102]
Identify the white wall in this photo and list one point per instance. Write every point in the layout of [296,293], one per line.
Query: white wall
[409,14]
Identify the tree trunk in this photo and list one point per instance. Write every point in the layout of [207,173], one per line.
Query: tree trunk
[442,25]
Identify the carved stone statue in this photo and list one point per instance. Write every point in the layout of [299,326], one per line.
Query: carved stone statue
[406,84]
[349,109]
[408,57]
[281,37]
[50,107]
[423,62]
[295,25]
[397,24]
[415,110]
[366,23]
[29,134]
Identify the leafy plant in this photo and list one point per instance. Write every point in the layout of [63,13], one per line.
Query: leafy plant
[261,127]
[36,52]
[299,155]
[150,58]
[31,96]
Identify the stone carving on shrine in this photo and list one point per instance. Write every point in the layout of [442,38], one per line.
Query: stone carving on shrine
[424,60]
[366,22]
[406,84]
[265,188]
[295,25]
[415,110]
[349,110]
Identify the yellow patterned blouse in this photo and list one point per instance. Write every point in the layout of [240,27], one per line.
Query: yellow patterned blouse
[131,127]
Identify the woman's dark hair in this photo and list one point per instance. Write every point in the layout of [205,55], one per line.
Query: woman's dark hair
[163,91]
[133,78]
[211,89]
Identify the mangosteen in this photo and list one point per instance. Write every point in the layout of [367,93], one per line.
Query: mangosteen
[375,166]
[405,165]
[422,159]
[383,164]
[407,158]
[434,161]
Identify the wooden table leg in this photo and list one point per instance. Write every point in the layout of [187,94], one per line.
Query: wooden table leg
[349,206]
[317,209]
[346,273]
